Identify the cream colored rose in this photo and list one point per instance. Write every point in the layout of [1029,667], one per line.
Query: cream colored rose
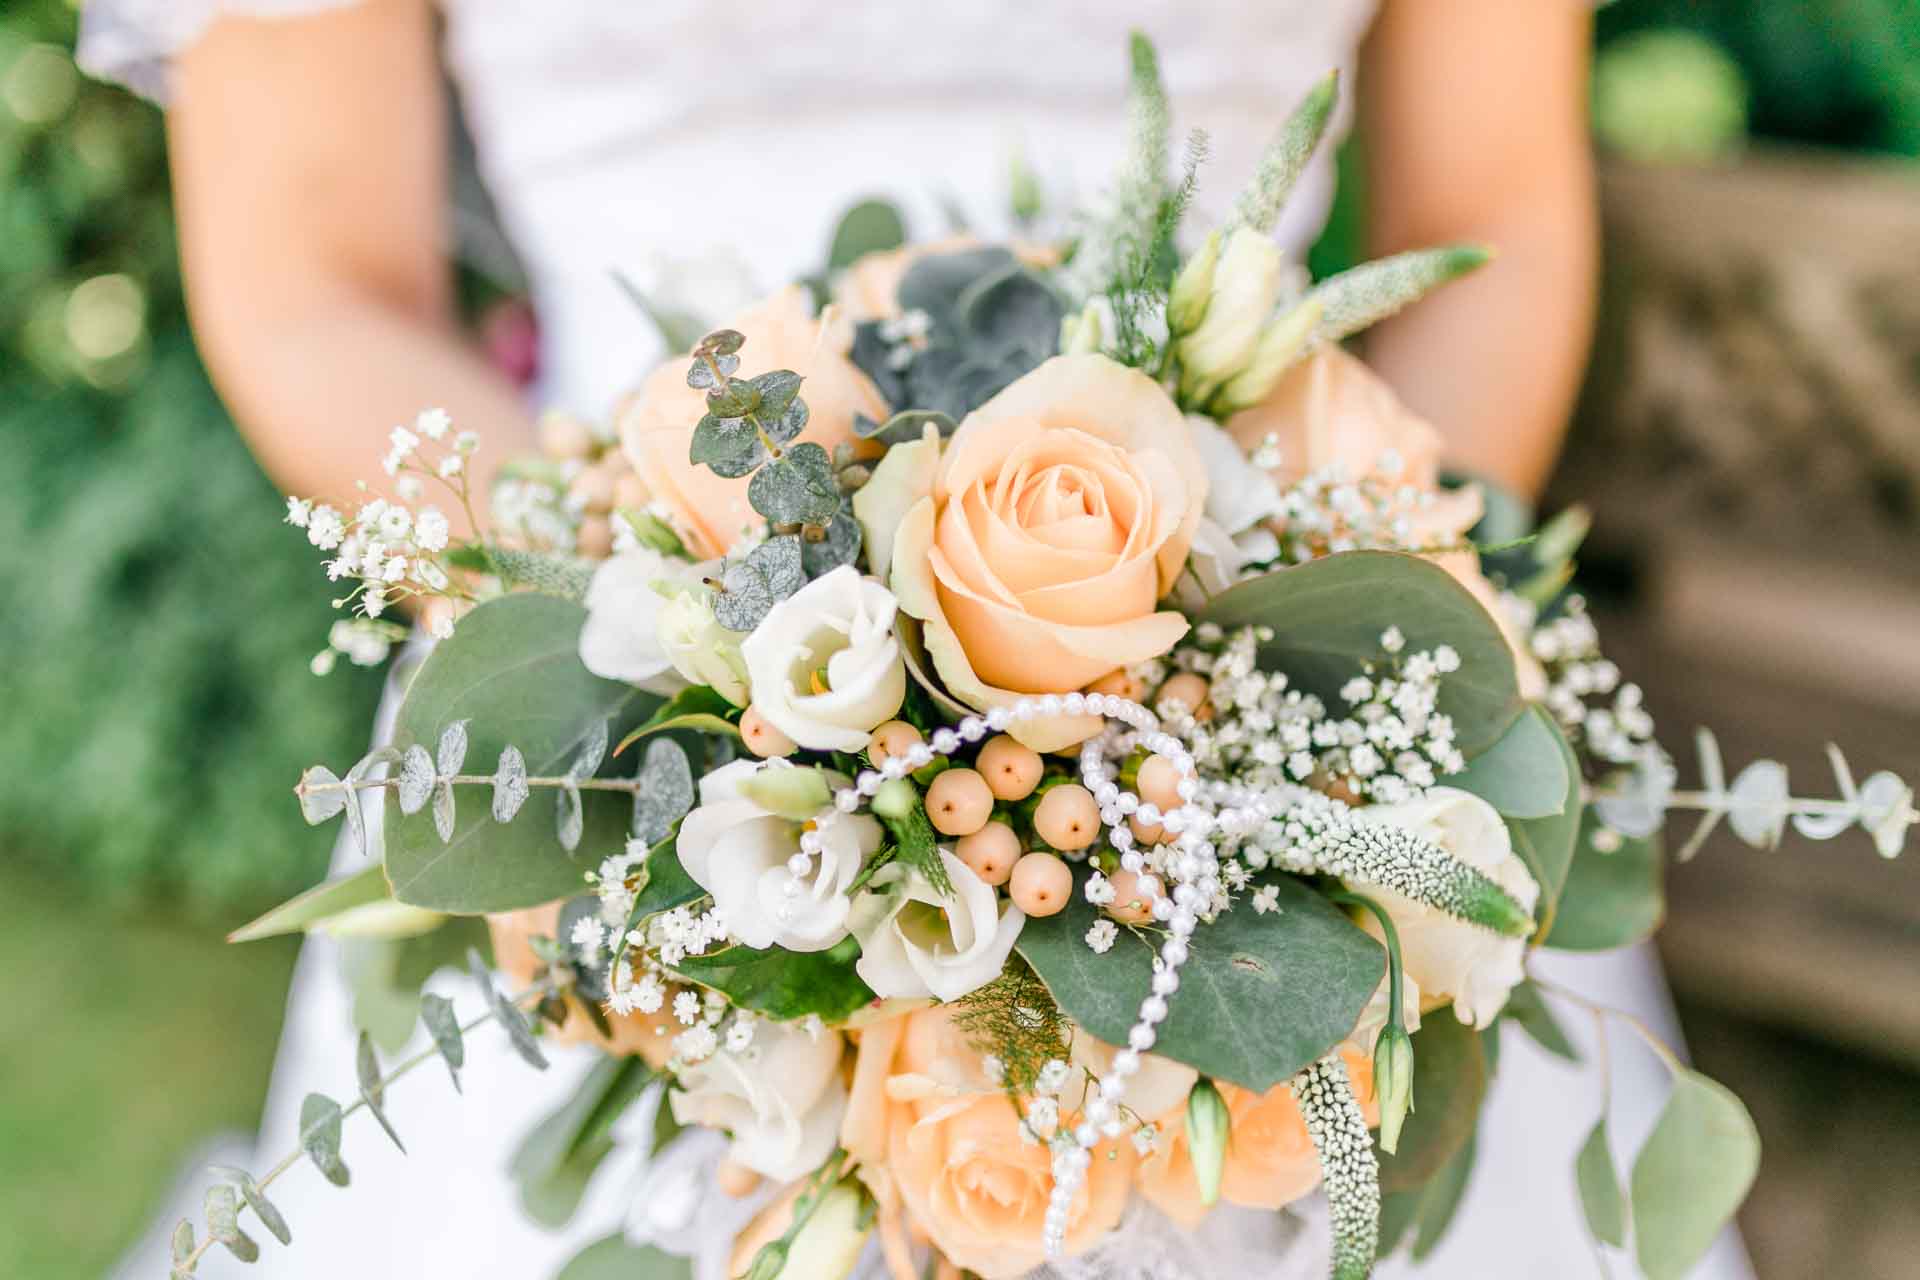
[708,511]
[824,663]
[1270,1157]
[1035,548]
[781,1098]
[1476,968]
[938,1139]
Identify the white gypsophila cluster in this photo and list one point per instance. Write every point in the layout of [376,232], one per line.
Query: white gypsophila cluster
[711,1025]
[1585,692]
[532,512]
[389,548]
[1352,1174]
[1390,746]
[1328,510]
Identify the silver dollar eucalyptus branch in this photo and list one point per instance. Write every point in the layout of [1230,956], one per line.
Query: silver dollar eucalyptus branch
[1758,804]
[321,1120]
[662,790]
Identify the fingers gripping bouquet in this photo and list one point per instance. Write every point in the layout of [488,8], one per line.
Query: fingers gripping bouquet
[1044,749]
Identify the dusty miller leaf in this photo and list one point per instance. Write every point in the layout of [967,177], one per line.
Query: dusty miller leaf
[510,788]
[666,791]
[437,1013]
[416,778]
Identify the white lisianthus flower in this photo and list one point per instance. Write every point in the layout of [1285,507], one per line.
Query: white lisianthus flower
[619,640]
[781,1098]
[824,663]
[916,943]
[699,648]
[1239,494]
[738,850]
[1474,967]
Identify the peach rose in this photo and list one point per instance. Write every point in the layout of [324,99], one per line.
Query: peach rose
[1035,545]
[650,1036]
[936,1137]
[1332,409]
[708,511]
[1270,1158]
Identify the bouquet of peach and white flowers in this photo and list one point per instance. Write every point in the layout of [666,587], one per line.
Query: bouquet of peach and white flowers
[1030,758]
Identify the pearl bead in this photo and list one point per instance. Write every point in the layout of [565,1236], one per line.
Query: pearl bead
[799,864]
[846,801]
[1141,1038]
[945,742]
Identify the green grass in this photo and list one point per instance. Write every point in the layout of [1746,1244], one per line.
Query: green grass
[131,1039]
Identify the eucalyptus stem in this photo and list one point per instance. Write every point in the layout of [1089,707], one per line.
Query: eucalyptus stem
[186,1265]
[629,785]
[1639,1028]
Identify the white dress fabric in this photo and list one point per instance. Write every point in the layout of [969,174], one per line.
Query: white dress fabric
[616,138]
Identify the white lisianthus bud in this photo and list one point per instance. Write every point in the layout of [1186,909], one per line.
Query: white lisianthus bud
[826,1246]
[1246,287]
[1393,1082]
[1208,1129]
[1187,302]
[824,663]
[1083,331]
[1280,345]
[700,648]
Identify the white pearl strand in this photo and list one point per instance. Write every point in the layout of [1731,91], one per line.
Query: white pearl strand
[1195,871]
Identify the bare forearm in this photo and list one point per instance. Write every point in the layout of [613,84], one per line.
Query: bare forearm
[317,389]
[1495,360]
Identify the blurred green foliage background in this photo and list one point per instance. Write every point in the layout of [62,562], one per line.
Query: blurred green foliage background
[158,616]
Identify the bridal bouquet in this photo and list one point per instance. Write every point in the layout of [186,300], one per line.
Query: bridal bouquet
[1014,747]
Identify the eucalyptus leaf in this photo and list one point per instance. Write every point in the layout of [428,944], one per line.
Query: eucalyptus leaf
[442,1024]
[872,226]
[697,707]
[452,752]
[796,488]
[1328,616]
[1547,843]
[1691,1175]
[558,1157]
[317,905]
[784,985]
[840,545]
[372,1089]
[356,812]
[732,447]
[416,779]
[1440,1200]
[511,669]
[666,792]
[320,1137]
[1757,803]
[511,1020]
[777,391]
[568,816]
[182,1240]
[264,1209]
[1012,311]
[321,798]
[1524,774]
[223,1223]
[733,401]
[616,1258]
[1261,996]
[744,597]
[1600,1196]
[1530,1012]
[903,428]
[1611,899]
[510,789]
[778,560]
[445,818]
[1449,1081]
[935,282]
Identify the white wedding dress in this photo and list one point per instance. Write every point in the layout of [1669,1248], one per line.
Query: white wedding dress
[619,137]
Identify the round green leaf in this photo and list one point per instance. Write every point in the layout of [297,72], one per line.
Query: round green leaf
[872,226]
[1327,617]
[1610,899]
[1547,843]
[1261,997]
[1691,1175]
[512,670]
[1525,773]
[1600,1195]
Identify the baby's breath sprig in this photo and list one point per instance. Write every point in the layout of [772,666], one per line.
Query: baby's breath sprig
[321,1119]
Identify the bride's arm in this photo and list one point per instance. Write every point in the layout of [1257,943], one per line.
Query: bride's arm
[1475,124]
[308,159]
